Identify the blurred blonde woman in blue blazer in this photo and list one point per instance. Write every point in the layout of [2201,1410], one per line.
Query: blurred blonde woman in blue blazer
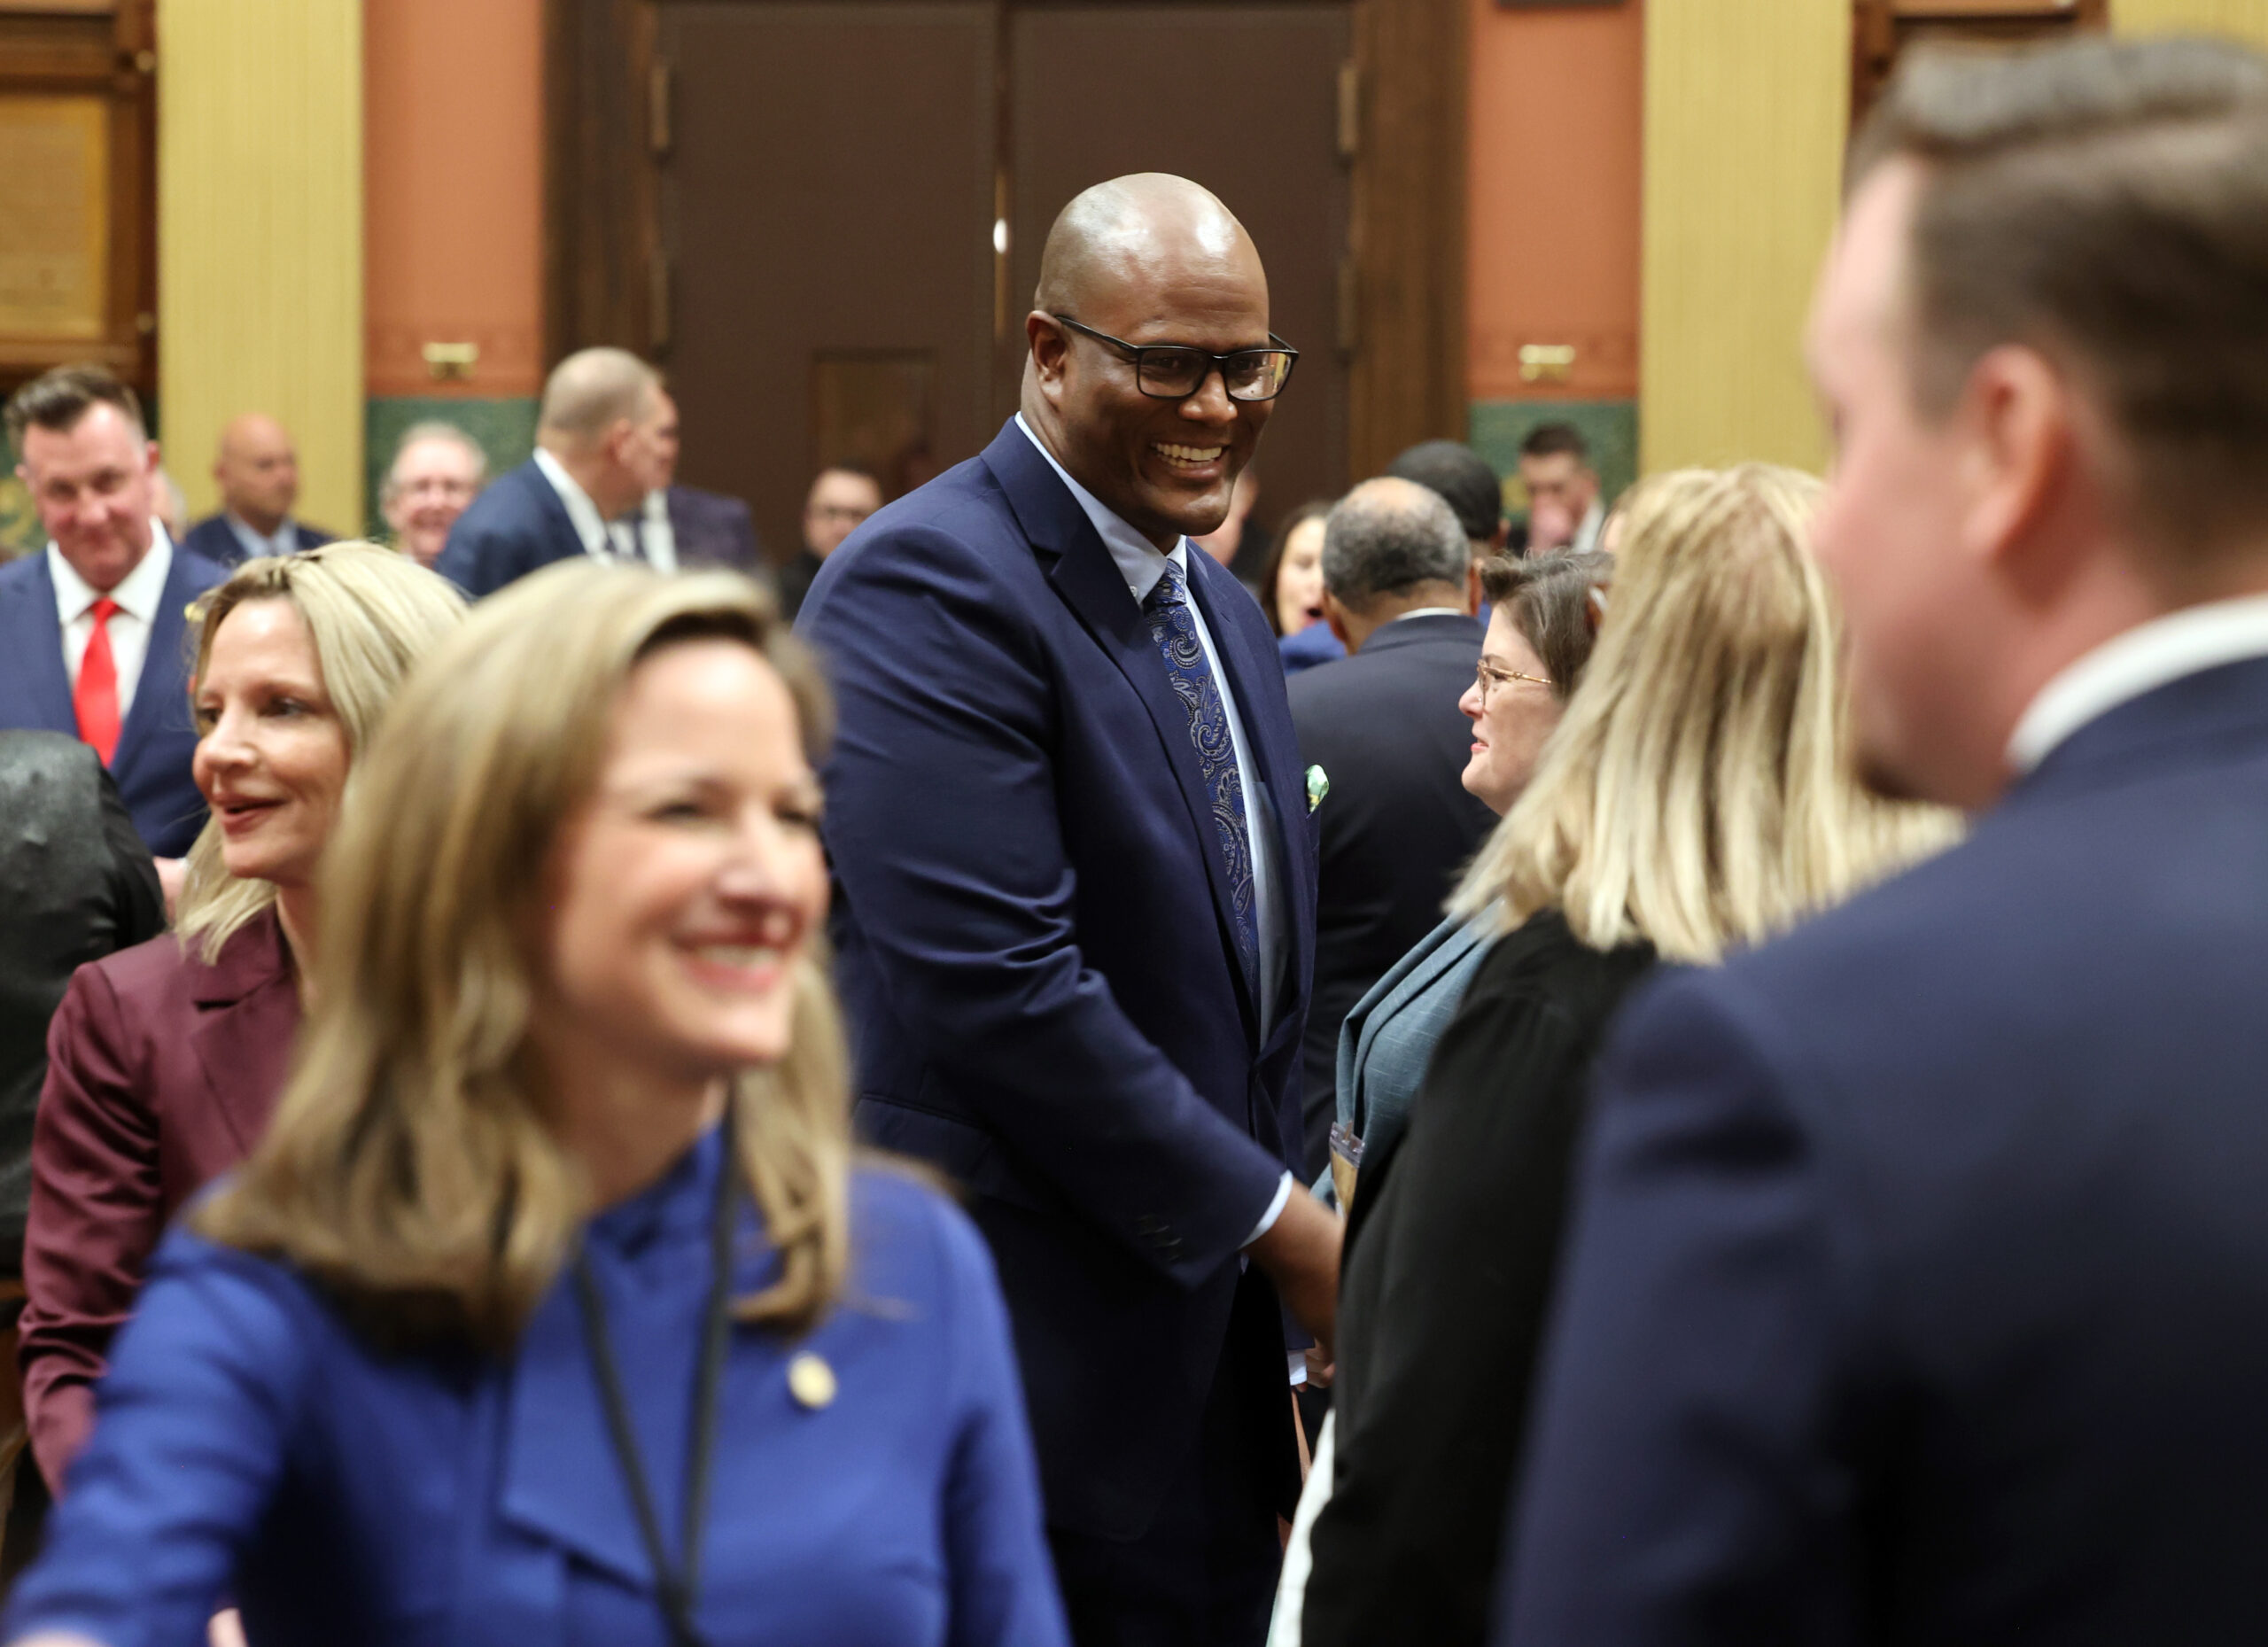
[552,1307]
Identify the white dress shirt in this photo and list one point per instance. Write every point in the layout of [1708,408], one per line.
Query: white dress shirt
[590,526]
[137,595]
[2144,658]
[650,534]
[283,540]
[1141,565]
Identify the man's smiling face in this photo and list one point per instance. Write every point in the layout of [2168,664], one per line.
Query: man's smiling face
[1167,467]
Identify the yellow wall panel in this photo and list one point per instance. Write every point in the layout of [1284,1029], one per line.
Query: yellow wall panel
[2246,19]
[1747,101]
[259,238]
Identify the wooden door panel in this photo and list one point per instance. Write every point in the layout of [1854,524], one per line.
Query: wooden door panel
[828,211]
[1245,100]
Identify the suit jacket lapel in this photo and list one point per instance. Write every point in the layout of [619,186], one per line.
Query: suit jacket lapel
[32,642]
[164,666]
[1087,578]
[248,1015]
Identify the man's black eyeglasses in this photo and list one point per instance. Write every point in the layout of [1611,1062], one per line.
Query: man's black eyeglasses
[1173,371]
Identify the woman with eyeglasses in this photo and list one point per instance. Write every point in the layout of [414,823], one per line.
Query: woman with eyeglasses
[166,1057]
[1697,795]
[1543,618]
[553,1308]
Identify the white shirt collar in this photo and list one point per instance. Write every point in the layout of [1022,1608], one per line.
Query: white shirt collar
[2141,660]
[590,526]
[1137,559]
[283,540]
[1428,611]
[137,593]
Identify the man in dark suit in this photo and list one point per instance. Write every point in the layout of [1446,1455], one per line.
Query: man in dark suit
[93,629]
[606,436]
[257,472]
[841,497]
[1918,1268]
[1074,910]
[1383,723]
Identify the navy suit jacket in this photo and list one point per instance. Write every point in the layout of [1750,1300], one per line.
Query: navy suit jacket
[212,539]
[1919,1288]
[713,530]
[1032,927]
[155,746]
[516,525]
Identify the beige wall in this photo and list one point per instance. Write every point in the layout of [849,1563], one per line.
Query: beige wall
[1746,105]
[259,238]
[2247,19]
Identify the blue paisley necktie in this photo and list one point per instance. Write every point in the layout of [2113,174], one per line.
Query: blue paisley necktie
[1174,627]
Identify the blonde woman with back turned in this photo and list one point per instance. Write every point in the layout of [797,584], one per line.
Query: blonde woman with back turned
[1696,797]
[551,1306]
[166,1057]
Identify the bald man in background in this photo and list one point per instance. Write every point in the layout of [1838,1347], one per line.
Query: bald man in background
[606,435]
[257,472]
[1074,910]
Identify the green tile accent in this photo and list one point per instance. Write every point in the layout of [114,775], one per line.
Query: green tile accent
[505,429]
[1497,427]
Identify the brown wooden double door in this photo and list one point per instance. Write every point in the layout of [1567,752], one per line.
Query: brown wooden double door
[852,199]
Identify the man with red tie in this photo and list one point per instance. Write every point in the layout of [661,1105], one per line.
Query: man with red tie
[92,631]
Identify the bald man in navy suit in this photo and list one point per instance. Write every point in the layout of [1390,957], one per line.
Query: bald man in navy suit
[1075,907]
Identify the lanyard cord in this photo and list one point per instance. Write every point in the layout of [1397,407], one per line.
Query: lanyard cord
[675,1589]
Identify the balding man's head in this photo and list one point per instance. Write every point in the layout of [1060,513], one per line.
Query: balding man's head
[1392,537]
[613,427]
[257,472]
[1150,261]
[1117,233]
[590,392]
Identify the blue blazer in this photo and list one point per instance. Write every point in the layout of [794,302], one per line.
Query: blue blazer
[1031,926]
[155,746]
[212,539]
[249,1444]
[1919,1285]
[1387,1040]
[516,525]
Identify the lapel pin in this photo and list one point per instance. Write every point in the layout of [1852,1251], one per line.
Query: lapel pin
[1318,785]
[811,1381]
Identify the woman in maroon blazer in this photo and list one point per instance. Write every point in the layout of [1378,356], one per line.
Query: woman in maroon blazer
[164,1059]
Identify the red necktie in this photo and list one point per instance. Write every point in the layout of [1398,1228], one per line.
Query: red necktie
[96,696]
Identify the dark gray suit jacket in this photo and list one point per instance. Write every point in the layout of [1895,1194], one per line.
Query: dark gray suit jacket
[76,884]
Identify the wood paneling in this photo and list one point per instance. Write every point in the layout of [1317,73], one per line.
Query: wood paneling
[78,84]
[601,222]
[1276,162]
[1746,108]
[1407,380]
[260,248]
[1402,296]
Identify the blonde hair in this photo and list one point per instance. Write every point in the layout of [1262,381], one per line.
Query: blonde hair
[370,615]
[408,1169]
[1700,794]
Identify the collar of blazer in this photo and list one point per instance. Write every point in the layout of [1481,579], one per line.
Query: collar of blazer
[2208,718]
[254,957]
